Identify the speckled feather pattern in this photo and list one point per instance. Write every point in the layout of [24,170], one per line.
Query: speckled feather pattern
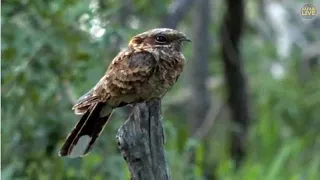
[138,73]
[147,69]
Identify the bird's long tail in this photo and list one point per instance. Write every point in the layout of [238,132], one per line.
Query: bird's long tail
[84,134]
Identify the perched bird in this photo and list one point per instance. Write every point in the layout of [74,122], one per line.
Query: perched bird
[147,69]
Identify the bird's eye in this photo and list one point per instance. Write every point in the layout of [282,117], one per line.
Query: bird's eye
[161,39]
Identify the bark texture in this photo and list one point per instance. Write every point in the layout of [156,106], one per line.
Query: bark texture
[141,141]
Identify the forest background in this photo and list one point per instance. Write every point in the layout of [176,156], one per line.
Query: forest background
[247,105]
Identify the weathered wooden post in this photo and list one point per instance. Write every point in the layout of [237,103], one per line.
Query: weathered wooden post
[141,141]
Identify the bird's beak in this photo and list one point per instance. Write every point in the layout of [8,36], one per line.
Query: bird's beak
[185,38]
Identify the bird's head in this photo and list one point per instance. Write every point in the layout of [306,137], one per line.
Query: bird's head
[159,38]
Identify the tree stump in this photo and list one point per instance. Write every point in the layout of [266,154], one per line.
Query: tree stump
[141,141]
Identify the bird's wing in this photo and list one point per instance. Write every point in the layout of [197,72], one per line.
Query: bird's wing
[129,71]
[86,101]
[126,70]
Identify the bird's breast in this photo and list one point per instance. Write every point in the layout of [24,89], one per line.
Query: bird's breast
[154,85]
[165,75]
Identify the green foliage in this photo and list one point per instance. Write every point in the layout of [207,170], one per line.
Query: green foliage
[50,57]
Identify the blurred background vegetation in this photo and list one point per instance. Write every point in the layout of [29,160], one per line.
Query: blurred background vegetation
[246,107]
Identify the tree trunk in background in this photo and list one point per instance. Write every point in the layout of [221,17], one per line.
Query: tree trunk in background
[199,102]
[198,69]
[177,10]
[235,77]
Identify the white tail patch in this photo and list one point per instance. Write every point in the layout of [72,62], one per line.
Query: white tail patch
[81,146]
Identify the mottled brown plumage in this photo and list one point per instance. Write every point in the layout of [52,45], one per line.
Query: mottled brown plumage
[147,69]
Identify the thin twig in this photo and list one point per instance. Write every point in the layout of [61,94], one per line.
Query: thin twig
[212,115]
[208,122]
